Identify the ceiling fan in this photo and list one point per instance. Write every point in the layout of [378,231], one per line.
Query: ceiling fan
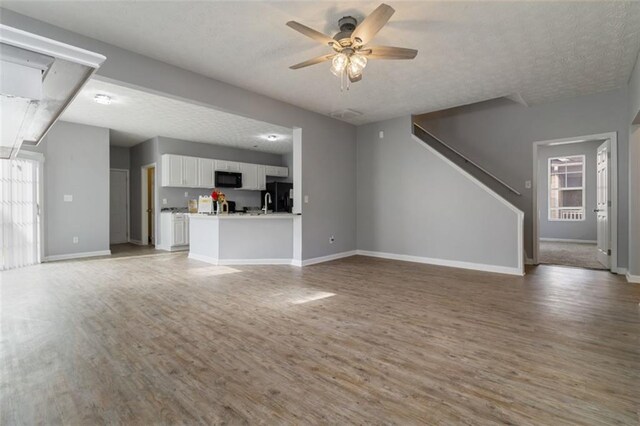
[350,50]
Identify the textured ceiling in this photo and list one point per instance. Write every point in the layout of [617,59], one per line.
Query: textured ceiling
[468,51]
[135,116]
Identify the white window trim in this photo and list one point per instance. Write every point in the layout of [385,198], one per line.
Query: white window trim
[583,188]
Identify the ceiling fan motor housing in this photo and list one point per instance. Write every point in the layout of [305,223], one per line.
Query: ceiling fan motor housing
[347,24]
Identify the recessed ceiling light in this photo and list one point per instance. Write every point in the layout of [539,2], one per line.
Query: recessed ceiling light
[102,99]
[272,137]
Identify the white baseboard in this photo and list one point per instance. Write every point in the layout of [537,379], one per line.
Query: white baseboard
[567,240]
[175,248]
[444,262]
[254,262]
[57,257]
[137,242]
[322,259]
[632,278]
[214,261]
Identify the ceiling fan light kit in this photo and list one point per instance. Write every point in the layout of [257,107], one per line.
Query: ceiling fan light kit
[350,55]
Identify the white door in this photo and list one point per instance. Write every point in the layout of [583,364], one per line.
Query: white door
[603,205]
[19,213]
[118,206]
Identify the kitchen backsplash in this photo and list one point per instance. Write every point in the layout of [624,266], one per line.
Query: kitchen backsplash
[175,196]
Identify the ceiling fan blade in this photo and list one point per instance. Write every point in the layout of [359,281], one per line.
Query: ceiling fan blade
[372,24]
[388,52]
[312,61]
[311,33]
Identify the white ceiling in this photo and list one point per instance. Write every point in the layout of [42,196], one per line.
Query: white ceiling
[468,51]
[135,116]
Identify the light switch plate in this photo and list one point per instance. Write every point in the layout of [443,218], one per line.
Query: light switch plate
[186,194]
[306,199]
[381,134]
[68,198]
[164,201]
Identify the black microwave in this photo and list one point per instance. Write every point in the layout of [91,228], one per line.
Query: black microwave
[228,180]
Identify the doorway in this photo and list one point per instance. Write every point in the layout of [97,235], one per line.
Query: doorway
[575,202]
[148,211]
[118,206]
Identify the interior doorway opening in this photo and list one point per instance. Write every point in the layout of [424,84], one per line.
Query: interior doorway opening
[575,202]
[148,203]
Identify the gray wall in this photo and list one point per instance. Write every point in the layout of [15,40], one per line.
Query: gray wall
[634,171]
[328,145]
[499,135]
[412,202]
[119,157]
[76,164]
[572,230]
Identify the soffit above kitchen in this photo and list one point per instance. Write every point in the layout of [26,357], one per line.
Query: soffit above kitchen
[135,115]
[469,51]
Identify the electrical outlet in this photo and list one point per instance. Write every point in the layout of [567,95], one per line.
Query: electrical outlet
[75,240]
[332,239]
[527,184]
[306,199]
[164,201]
[186,194]
[381,134]
[68,198]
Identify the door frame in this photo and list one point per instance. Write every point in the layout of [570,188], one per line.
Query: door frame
[127,206]
[144,206]
[613,191]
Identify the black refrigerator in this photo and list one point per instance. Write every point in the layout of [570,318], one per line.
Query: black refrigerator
[281,196]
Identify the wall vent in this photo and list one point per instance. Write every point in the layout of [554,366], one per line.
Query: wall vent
[345,114]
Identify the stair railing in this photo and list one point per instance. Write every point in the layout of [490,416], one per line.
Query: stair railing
[466,159]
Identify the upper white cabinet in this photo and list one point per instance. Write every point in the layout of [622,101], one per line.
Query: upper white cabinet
[253,176]
[228,166]
[190,172]
[206,168]
[193,172]
[172,170]
[277,171]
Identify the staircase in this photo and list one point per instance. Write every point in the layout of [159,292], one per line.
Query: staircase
[476,170]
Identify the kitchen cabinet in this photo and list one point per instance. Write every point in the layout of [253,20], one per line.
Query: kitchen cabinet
[277,171]
[178,170]
[172,170]
[190,172]
[228,166]
[174,231]
[206,169]
[194,172]
[253,176]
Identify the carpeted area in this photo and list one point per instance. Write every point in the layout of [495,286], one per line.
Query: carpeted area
[569,254]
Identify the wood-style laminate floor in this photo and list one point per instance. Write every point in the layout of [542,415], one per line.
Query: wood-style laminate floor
[161,339]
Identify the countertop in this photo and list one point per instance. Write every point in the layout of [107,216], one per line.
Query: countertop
[244,216]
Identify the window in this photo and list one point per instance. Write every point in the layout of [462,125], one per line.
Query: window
[566,188]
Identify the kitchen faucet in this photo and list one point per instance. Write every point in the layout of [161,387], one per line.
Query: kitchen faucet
[267,200]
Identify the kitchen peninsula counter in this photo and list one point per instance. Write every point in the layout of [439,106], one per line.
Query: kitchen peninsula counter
[241,239]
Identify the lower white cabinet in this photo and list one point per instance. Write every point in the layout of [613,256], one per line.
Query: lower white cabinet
[174,228]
